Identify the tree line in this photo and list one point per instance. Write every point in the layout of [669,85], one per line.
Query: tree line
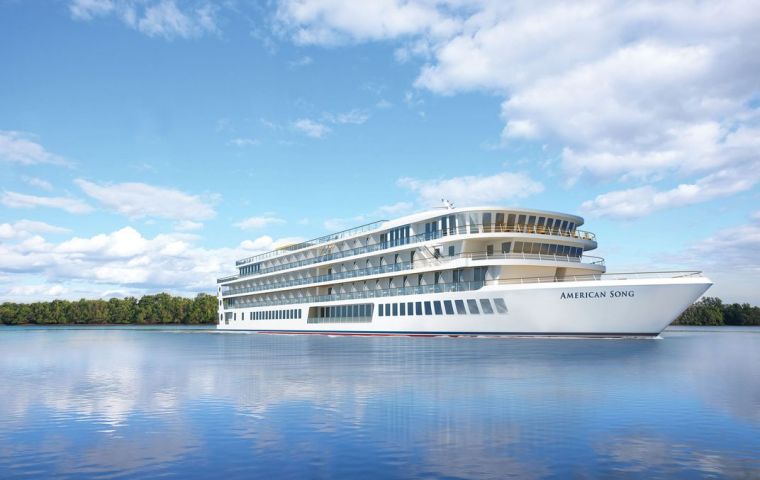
[161,308]
[712,311]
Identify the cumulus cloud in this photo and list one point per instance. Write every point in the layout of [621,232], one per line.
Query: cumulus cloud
[123,260]
[330,22]
[311,128]
[251,223]
[474,189]
[21,148]
[139,200]
[641,201]
[635,92]
[161,18]
[20,200]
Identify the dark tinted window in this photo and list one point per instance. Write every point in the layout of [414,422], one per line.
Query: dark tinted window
[437,307]
[448,307]
[418,307]
[428,309]
[460,307]
[485,304]
[473,306]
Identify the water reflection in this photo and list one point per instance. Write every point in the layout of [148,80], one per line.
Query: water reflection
[99,403]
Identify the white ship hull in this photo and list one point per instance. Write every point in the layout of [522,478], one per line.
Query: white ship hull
[615,307]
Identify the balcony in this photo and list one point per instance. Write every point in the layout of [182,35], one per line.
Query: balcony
[407,266]
[424,237]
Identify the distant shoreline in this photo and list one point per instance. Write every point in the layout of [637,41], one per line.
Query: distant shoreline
[163,309]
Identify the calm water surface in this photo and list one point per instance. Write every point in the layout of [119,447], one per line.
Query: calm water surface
[112,403]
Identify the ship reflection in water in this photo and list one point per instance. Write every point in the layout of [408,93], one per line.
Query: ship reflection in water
[91,403]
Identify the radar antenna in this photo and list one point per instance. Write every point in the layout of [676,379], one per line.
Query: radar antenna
[447,204]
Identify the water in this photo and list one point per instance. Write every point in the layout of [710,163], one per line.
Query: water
[135,403]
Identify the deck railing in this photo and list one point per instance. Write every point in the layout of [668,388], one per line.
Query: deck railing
[422,237]
[453,287]
[406,266]
[315,241]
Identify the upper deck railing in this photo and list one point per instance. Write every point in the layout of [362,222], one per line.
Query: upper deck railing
[423,237]
[315,241]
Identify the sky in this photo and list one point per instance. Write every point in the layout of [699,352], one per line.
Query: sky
[147,144]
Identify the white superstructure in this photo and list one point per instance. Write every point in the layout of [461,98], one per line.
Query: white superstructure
[463,271]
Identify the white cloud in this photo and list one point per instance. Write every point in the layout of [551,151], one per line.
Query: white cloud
[251,223]
[162,18]
[20,200]
[301,62]
[187,226]
[20,147]
[265,243]
[635,92]
[38,182]
[37,291]
[382,212]
[473,190]
[244,142]
[124,259]
[354,117]
[311,128]
[641,201]
[25,228]
[138,200]
[333,22]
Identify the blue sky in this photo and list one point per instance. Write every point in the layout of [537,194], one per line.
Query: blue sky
[146,144]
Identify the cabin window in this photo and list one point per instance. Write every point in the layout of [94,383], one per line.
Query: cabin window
[448,307]
[451,250]
[418,308]
[485,304]
[380,311]
[472,305]
[564,225]
[402,309]
[505,247]
[387,309]
[428,308]
[489,250]
[501,306]
[460,307]
[487,222]
[437,308]
[395,309]
[499,226]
